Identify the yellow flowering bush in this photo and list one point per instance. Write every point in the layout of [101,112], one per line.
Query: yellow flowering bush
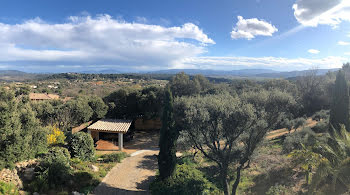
[56,136]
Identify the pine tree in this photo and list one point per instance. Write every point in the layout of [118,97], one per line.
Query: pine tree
[339,113]
[167,141]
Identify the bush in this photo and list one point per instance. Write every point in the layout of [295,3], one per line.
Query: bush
[321,115]
[56,136]
[295,140]
[186,180]
[81,145]
[114,157]
[321,127]
[8,189]
[53,171]
[278,190]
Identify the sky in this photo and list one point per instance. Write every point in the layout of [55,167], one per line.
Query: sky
[147,35]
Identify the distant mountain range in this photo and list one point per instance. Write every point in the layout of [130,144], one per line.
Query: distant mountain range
[264,73]
[15,75]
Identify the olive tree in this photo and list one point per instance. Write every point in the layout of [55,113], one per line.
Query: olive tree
[228,129]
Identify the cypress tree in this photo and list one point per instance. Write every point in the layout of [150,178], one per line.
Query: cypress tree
[167,141]
[339,113]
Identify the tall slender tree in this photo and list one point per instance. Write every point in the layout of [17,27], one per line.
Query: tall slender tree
[339,113]
[167,141]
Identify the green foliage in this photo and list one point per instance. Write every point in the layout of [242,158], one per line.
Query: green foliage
[313,92]
[8,189]
[339,113]
[278,190]
[21,136]
[81,145]
[114,157]
[132,103]
[79,111]
[321,115]
[185,180]
[321,127]
[296,140]
[168,139]
[228,129]
[334,168]
[98,107]
[53,171]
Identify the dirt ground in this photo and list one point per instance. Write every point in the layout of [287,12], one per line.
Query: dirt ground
[279,132]
[142,140]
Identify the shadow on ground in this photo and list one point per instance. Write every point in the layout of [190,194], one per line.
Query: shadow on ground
[149,162]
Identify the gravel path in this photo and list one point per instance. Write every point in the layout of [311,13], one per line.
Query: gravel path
[132,176]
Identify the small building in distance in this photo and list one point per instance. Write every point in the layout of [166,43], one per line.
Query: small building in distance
[43,96]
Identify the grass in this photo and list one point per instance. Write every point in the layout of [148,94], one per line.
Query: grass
[8,189]
[85,179]
[82,178]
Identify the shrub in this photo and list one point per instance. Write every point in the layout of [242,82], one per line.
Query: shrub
[53,171]
[186,180]
[56,136]
[114,157]
[81,145]
[8,189]
[278,190]
[321,115]
[295,140]
[321,127]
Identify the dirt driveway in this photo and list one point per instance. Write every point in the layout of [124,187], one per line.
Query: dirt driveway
[134,174]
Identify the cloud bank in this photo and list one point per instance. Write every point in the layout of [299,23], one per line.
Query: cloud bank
[250,28]
[327,12]
[99,40]
[102,42]
[276,63]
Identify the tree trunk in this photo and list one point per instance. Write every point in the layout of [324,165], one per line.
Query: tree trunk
[238,177]
[225,182]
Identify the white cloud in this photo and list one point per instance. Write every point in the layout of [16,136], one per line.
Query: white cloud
[313,51]
[276,63]
[250,28]
[100,40]
[347,53]
[328,12]
[343,43]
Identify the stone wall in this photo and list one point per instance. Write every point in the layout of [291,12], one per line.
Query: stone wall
[23,171]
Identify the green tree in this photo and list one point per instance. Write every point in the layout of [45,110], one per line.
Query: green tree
[168,138]
[228,129]
[81,145]
[339,113]
[21,136]
[98,107]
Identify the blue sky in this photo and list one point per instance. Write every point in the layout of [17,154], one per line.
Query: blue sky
[143,35]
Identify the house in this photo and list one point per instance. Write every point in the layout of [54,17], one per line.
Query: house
[43,96]
[110,127]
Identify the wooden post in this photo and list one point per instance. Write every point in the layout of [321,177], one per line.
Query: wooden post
[120,141]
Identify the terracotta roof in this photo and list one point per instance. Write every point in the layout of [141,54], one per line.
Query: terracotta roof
[39,96]
[111,125]
[43,96]
[81,127]
[54,96]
